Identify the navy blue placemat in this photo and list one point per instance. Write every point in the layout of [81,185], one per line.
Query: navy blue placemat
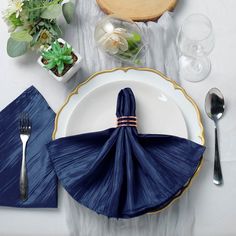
[42,181]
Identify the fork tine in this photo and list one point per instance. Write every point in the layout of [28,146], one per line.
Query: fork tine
[29,124]
[21,122]
[24,122]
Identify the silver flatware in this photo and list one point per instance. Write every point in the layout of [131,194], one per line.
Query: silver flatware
[25,131]
[215,106]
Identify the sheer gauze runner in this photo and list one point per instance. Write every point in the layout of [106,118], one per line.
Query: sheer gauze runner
[177,220]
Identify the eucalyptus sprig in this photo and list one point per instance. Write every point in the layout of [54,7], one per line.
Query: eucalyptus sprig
[33,23]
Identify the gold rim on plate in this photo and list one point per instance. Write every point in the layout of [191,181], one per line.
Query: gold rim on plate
[176,87]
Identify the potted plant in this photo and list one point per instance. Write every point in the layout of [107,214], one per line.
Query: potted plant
[61,60]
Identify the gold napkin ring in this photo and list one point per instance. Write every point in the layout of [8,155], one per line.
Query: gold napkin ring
[124,121]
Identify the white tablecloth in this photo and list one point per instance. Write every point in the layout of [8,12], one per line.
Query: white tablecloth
[214,208]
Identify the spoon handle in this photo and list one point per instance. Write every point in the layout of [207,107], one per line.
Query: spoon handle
[218,178]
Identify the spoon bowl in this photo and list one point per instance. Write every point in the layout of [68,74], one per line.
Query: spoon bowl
[214,104]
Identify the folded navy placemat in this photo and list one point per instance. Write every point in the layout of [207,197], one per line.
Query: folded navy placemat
[42,181]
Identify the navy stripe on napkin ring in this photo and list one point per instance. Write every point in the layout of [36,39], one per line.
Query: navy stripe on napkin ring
[125,121]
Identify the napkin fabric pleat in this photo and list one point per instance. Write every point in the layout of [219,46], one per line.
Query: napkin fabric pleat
[120,173]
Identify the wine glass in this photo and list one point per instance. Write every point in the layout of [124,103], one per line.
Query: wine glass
[195,41]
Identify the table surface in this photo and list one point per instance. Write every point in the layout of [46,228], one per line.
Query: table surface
[215,207]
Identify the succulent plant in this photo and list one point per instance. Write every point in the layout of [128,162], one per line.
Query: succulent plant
[57,56]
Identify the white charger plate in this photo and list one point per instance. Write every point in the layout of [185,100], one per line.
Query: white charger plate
[162,106]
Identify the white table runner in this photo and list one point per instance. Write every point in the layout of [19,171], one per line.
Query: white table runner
[162,55]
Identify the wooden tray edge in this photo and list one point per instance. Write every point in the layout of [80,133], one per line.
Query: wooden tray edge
[171,7]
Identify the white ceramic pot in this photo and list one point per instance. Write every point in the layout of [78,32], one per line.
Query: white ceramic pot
[70,72]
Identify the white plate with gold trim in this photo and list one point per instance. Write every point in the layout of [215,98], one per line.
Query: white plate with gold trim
[162,106]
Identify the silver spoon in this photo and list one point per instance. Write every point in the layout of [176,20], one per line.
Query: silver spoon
[215,106]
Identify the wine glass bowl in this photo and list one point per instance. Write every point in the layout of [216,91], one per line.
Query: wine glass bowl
[195,41]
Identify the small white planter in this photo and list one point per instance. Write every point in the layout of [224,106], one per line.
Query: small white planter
[70,72]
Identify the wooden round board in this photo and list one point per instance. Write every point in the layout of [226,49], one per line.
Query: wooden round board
[137,10]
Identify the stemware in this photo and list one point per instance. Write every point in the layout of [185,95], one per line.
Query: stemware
[195,41]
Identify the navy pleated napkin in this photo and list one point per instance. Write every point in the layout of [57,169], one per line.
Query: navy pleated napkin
[42,181]
[121,173]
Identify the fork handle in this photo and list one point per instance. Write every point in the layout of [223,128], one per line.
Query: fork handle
[23,176]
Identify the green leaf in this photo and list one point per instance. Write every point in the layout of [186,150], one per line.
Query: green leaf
[16,48]
[14,20]
[41,23]
[22,36]
[136,37]
[66,58]
[55,30]
[47,55]
[35,38]
[68,10]
[70,62]
[52,12]
[56,47]
[60,68]
[50,65]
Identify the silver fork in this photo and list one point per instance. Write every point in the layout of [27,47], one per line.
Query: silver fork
[25,131]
